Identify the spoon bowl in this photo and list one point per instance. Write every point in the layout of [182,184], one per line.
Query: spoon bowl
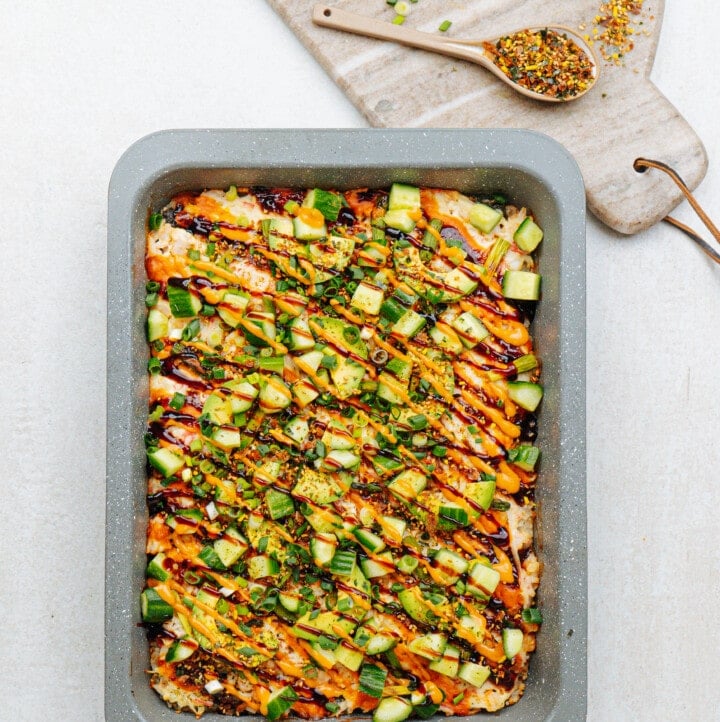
[472,50]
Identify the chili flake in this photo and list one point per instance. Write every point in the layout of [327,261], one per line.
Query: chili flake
[543,61]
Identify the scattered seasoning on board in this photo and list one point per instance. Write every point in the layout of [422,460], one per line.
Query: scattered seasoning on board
[613,30]
[544,62]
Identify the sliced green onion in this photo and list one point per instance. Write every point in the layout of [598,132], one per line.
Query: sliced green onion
[177,401]
[532,615]
[351,334]
[155,221]
[191,330]
[398,19]
[154,365]
[407,564]
[151,299]
[445,26]
[528,362]
[418,422]
[372,680]
[439,451]
[194,254]
[273,363]
[152,286]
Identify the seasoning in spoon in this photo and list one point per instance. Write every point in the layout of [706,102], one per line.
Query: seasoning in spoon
[543,61]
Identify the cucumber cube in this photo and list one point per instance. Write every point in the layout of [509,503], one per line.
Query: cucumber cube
[470,329]
[367,298]
[525,394]
[484,218]
[403,197]
[521,285]
[528,236]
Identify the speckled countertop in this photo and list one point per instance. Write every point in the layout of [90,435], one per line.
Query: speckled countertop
[79,83]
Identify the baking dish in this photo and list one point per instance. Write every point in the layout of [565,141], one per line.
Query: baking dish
[531,170]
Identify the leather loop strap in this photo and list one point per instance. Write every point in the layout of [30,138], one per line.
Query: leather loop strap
[641,165]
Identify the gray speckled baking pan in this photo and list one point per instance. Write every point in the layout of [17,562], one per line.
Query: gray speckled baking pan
[532,170]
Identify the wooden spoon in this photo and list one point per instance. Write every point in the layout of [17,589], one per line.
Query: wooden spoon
[472,50]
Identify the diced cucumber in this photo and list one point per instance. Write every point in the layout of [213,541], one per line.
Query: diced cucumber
[157,325]
[301,338]
[483,579]
[156,568]
[328,203]
[392,709]
[451,565]
[343,563]
[372,568]
[408,484]
[409,324]
[392,309]
[167,462]
[291,602]
[304,393]
[326,657]
[243,395]
[521,285]
[397,527]
[340,459]
[308,231]
[512,640]
[484,218]
[528,235]
[232,306]
[524,456]
[267,472]
[229,550]
[451,516]
[446,338]
[210,557]
[449,663]
[279,504]
[336,436]
[349,657]
[474,674]
[402,369]
[274,395]
[470,329]
[279,233]
[460,281]
[180,650]
[403,196]
[525,394]
[227,437]
[311,629]
[430,646]
[380,643]
[291,303]
[153,608]
[262,566]
[310,360]
[474,626]
[385,465]
[367,298]
[400,219]
[183,303]
[297,429]
[322,548]
[371,541]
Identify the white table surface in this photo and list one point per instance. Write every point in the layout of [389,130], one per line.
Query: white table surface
[79,82]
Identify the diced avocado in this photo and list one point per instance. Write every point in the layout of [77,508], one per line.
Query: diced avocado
[157,325]
[470,329]
[183,303]
[521,285]
[325,657]
[408,484]
[474,626]
[311,629]
[229,550]
[446,338]
[367,298]
[385,390]
[316,486]
[528,235]
[336,331]
[347,375]
[217,409]
[261,313]
[474,674]
[167,462]
[483,579]
[337,436]
[449,663]
[403,196]
[328,203]
[460,281]
[332,252]
[484,218]
[409,324]
[349,657]
[512,641]
[415,606]
[232,306]
[525,394]
[301,338]
[400,219]
[481,493]
[430,646]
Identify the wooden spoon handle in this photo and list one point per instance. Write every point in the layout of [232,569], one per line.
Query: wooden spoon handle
[332,17]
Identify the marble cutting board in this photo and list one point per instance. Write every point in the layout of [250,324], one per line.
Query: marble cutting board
[624,117]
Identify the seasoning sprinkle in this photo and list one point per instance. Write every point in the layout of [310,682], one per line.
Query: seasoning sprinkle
[613,30]
[543,61]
